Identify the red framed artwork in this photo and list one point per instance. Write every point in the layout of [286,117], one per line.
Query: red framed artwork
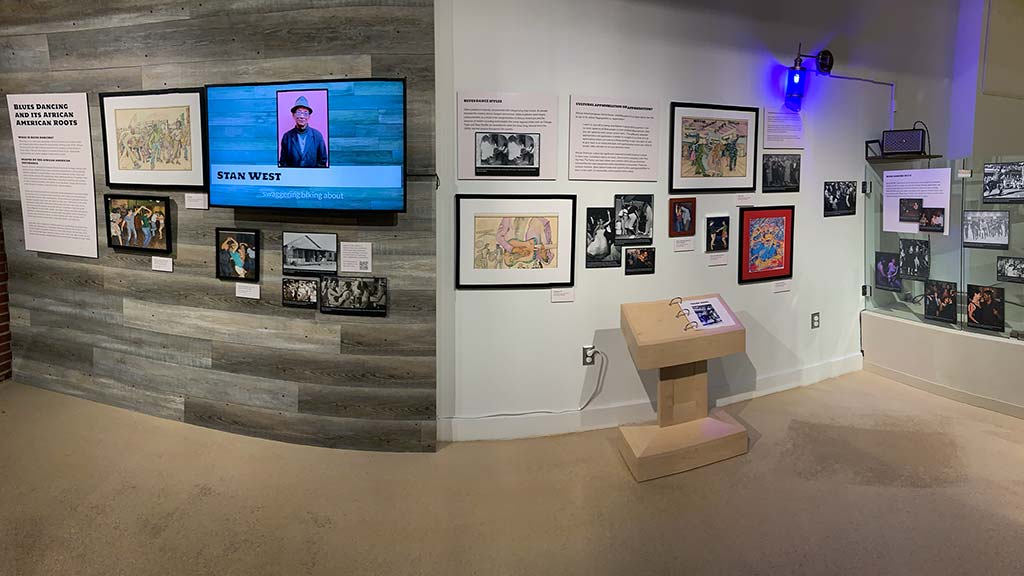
[682,217]
[766,249]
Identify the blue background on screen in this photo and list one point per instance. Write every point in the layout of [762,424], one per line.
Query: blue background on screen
[366,129]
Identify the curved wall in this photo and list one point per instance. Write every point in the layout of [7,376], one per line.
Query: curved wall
[180,345]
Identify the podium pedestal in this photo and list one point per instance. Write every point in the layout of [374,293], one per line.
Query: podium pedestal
[685,436]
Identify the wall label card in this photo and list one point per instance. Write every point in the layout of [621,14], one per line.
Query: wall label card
[783,130]
[683,244]
[53,152]
[907,194]
[357,257]
[745,199]
[718,259]
[563,295]
[782,286]
[162,264]
[507,136]
[251,291]
[613,139]
[197,202]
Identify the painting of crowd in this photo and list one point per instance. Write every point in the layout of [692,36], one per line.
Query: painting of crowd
[154,139]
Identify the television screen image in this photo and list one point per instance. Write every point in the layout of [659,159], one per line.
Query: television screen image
[322,145]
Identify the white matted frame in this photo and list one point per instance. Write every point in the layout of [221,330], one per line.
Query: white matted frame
[681,141]
[481,265]
[193,177]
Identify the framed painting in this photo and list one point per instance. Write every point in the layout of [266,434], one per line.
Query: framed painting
[154,138]
[682,217]
[766,243]
[713,148]
[520,241]
[140,223]
[238,254]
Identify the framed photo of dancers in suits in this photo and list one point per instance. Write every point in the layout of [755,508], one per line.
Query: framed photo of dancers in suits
[766,243]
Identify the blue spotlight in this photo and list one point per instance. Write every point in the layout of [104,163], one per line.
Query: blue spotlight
[795,83]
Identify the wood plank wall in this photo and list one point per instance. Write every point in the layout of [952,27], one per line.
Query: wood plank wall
[180,345]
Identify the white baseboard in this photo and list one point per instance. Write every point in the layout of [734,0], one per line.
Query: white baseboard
[459,429]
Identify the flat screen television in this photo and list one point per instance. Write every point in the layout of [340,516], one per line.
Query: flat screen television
[316,145]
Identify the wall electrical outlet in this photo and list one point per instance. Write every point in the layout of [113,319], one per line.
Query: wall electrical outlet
[589,352]
[815,320]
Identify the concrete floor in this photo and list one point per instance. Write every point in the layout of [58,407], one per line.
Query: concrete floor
[856,475]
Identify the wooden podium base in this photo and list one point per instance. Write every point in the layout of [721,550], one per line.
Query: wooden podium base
[654,451]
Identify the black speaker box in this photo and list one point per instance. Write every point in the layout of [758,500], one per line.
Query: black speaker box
[900,142]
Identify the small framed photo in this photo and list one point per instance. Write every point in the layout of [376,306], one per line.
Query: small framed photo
[915,259]
[766,243]
[940,301]
[716,234]
[986,308]
[780,173]
[987,229]
[514,241]
[309,253]
[932,220]
[634,219]
[1003,183]
[887,272]
[1010,269]
[682,217]
[602,252]
[507,154]
[713,148]
[140,223]
[238,255]
[300,292]
[640,260]
[354,296]
[910,209]
[154,138]
[840,198]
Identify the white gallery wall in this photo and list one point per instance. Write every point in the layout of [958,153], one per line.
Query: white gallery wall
[502,353]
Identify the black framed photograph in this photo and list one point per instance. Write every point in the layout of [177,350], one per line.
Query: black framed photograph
[940,301]
[640,260]
[986,307]
[887,272]
[1010,269]
[514,241]
[300,292]
[508,154]
[766,243]
[1003,183]
[932,220]
[780,172]
[910,209]
[716,234]
[309,253]
[713,148]
[354,295]
[238,254]
[154,138]
[602,252]
[634,219]
[915,259]
[141,223]
[987,229]
[840,198]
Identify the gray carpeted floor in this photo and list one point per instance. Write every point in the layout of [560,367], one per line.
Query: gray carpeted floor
[856,475]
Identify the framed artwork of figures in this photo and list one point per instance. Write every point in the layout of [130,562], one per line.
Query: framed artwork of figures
[766,243]
[713,148]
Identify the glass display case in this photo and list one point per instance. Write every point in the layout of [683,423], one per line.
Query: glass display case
[969,279]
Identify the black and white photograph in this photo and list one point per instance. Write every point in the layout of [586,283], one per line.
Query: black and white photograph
[309,253]
[986,308]
[602,252]
[634,219]
[707,314]
[932,220]
[299,292]
[915,259]
[716,234]
[640,260]
[781,172]
[1004,182]
[940,301]
[1010,269]
[508,154]
[840,198]
[987,229]
[354,296]
[887,272]
[910,209]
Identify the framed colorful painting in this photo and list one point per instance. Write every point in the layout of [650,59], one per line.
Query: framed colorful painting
[713,148]
[154,139]
[521,241]
[766,243]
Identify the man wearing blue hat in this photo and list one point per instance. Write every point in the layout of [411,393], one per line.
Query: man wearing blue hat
[303,146]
